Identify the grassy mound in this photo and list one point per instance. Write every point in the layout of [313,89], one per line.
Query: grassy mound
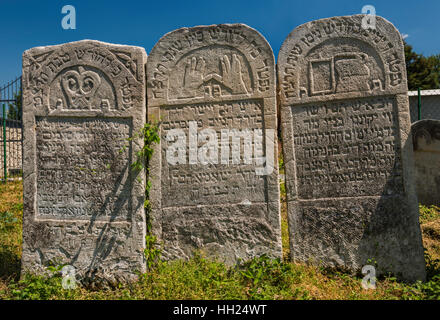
[201,278]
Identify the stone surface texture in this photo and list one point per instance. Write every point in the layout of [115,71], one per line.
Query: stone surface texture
[221,77]
[347,147]
[83,205]
[426,142]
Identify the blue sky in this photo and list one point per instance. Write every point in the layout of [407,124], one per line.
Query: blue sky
[26,24]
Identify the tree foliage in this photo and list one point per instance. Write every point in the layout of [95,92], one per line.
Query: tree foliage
[14,109]
[423,72]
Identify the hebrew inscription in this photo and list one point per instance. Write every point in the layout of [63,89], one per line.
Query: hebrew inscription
[212,183]
[347,147]
[83,102]
[80,164]
[214,174]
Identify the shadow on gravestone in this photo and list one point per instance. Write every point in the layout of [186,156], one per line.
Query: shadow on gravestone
[83,205]
[426,142]
[347,148]
[203,83]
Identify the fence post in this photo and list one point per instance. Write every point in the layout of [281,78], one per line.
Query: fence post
[4,144]
[419,105]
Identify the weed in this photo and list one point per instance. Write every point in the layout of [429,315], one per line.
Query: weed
[40,287]
[428,214]
[7,220]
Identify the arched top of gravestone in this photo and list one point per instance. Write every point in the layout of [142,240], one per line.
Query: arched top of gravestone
[429,130]
[210,63]
[339,58]
[81,78]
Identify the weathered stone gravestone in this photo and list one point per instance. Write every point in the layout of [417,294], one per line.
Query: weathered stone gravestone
[83,205]
[213,90]
[426,142]
[347,147]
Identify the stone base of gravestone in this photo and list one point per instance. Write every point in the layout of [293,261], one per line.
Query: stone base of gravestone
[426,142]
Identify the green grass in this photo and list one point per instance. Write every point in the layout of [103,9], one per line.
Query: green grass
[284,223]
[11,213]
[428,214]
[201,278]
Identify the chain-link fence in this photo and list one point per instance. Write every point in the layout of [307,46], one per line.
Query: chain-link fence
[11,135]
[430,105]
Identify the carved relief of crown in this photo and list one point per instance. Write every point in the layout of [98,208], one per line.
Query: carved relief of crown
[80,87]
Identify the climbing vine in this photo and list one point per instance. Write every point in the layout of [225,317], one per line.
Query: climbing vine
[150,134]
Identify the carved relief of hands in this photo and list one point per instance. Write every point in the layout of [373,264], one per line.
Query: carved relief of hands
[232,75]
[193,78]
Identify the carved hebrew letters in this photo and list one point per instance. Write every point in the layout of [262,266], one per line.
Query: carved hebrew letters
[72,161]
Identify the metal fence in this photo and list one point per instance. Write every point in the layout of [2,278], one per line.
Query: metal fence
[11,135]
[429,104]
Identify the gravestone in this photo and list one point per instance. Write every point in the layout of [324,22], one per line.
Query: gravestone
[347,147]
[426,142]
[212,190]
[83,205]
